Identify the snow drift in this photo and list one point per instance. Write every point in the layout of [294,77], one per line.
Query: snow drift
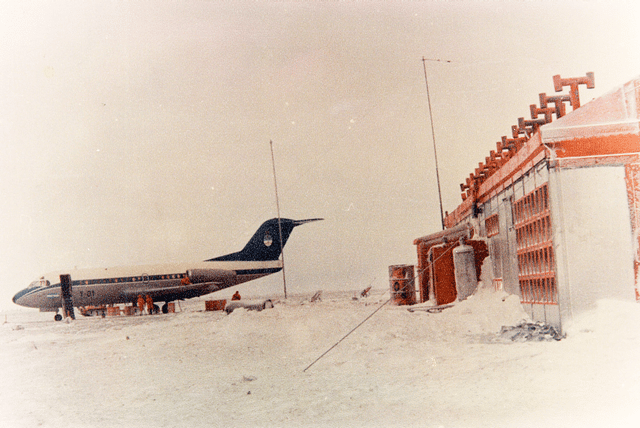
[197,369]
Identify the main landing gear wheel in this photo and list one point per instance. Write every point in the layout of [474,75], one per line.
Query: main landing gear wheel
[58,317]
[165,308]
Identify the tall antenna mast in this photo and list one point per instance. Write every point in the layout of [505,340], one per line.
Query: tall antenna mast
[275,185]
[433,134]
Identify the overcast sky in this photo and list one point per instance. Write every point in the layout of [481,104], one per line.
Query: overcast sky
[138,132]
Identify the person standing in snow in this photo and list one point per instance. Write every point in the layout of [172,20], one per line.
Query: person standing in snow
[140,304]
[149,305]
[236,296]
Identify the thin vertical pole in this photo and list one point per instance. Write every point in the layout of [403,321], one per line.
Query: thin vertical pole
[275,185]
[433,135]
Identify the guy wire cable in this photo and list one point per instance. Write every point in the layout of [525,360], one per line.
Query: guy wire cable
[374,312]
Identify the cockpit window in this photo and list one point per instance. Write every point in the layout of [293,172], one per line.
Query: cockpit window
[39,283]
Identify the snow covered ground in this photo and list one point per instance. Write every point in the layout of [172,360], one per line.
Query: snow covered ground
[201,369]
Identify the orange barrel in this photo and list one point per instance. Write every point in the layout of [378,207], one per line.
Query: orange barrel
[171,307]
[402,283]
[113,311]
[129,310]
[215,305]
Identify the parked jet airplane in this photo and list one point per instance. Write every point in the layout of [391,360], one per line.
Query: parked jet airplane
[164,283]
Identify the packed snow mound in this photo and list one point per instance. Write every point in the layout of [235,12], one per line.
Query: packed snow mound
[486,311]
[400,368]
[612,319]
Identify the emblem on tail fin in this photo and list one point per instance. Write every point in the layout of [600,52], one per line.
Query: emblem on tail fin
[268,240]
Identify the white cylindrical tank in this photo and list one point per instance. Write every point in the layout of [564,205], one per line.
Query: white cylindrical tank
[464,266]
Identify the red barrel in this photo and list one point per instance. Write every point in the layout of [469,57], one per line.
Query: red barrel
[402,283]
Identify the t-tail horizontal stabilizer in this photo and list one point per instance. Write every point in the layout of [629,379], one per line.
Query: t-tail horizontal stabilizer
[264,245]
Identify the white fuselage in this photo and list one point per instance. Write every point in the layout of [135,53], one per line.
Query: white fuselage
[106,286]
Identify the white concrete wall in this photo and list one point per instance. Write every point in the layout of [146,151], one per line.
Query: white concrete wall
[592,237]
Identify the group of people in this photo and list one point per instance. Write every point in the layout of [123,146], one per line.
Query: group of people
[145,302]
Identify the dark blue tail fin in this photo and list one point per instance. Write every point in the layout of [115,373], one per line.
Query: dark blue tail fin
[265,243]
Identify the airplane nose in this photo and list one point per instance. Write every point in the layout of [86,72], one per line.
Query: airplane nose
[18,296]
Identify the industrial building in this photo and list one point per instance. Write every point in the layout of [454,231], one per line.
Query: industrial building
[553,212]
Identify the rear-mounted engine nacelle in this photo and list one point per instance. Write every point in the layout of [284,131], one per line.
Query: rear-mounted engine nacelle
[198,276]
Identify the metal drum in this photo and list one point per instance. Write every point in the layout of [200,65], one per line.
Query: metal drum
[402,283]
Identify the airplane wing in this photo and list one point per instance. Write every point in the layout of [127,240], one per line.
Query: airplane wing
[197,282]
[155,292]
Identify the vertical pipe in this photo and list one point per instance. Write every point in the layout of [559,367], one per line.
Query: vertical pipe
[433,136]
[275,185]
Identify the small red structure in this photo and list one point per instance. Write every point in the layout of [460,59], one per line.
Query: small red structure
[113,311]
[436,270]
[215,305]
